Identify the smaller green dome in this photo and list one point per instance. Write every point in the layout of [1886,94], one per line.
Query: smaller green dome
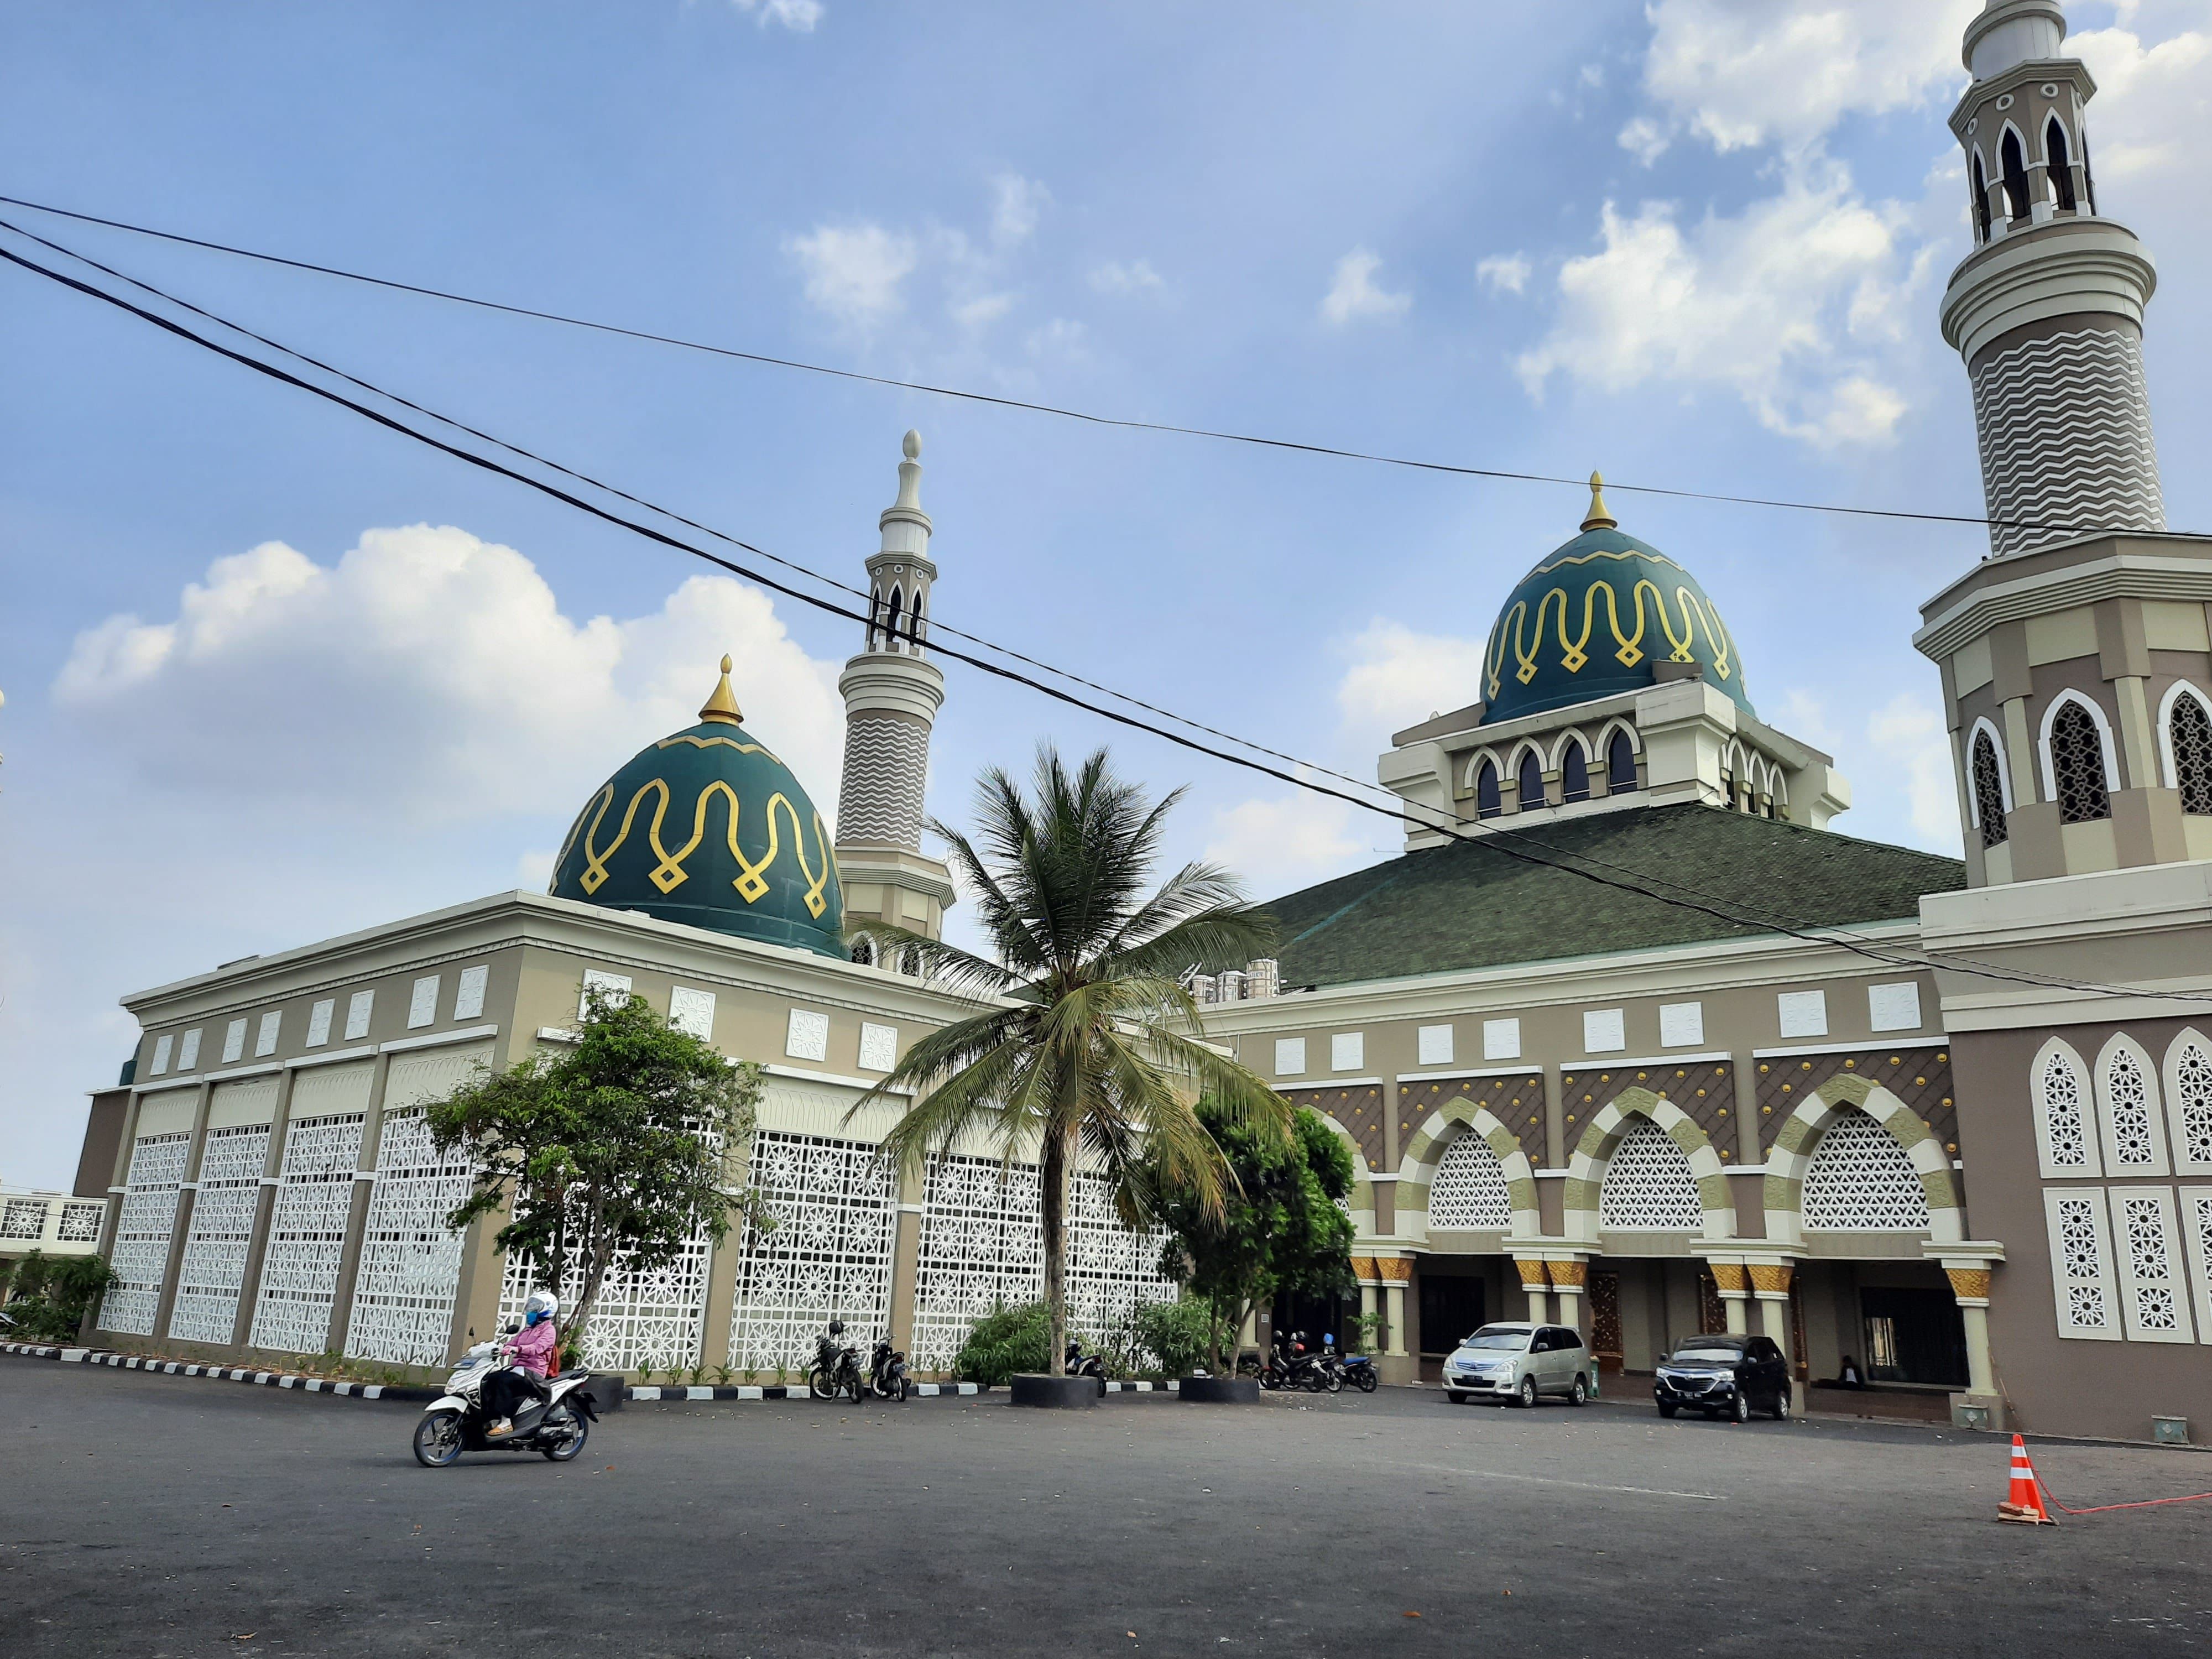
[707,828]
[1594,617]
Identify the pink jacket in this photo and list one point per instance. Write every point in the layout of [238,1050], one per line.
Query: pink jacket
[536,1348]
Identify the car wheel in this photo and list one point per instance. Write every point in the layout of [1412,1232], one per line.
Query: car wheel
[1526,1399]
[1455,1396]
[1782,1404]
[1667,1408]
[1579,1394]
[1740,1408]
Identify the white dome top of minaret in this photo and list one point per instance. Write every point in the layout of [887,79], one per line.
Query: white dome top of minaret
[2013,32]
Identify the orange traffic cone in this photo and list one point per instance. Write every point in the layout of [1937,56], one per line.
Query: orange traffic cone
[2023,1503]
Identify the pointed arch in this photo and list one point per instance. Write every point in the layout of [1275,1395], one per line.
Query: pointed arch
[1800,1137]
[1625,1114]
[2012,163]
[2078,746]
[1989,780]
[2188,1077]
[917,624]
[864,951]
[1528,780]
[1489,799]
[1432,1143]
[893,619]
[2185,746]
[2059,1101]
[1981,198]
[2059,159]
[1360,1200]
[2131,1119]
[1621,752]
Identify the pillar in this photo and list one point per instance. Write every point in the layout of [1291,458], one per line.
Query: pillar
[1981,1405]
[1394,1274]
[1533,1283]
[188,1190]
[264,1209]
[1770,1283]
[906,1258]
[1569,1278]
[1731,1277]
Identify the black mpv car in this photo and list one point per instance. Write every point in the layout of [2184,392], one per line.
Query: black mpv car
[1724,1374]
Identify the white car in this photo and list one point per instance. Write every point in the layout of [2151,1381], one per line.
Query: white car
[1519,1363]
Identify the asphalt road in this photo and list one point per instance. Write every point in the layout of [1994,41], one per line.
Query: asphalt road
[160,1516]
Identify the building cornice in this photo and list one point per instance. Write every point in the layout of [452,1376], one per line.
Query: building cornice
[1985,598]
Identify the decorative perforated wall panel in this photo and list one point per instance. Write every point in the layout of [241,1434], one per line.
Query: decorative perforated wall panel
[2083,1264]
[1469,1191]
[1110,1269]
[828,1257]
[2066,1120]
[410,1261]
[2153,1276]
[2192,1105]
[220,1234]
[141,1255]
[2127,1114]
[2191,733]
[1648,1185]
[654,1318]
[1860,1181]
[24,1219]
[80,1222]
[2077,764]
[307,1234]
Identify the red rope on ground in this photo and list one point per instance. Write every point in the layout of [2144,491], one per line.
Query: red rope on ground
[2100,1509]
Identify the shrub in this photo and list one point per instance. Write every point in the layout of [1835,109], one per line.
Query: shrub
[1177,1334]
[1005,1342]
[54,1294]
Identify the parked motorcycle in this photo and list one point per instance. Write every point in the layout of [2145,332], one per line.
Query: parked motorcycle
[836,1367]
[556,1425]
[1080,1364]
[1328,1365]
[1292,1364]
[887,1376]
[1359,1371]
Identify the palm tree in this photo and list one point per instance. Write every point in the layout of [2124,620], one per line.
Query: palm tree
[1090,1046]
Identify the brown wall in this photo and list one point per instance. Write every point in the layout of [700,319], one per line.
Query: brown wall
[103,1143]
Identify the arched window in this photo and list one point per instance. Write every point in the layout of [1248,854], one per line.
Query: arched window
[1487,804]
[2062,1112]
[2088,173]
[1860,1181]
[864,953]
[917,627]
[2130,1112]
[1531,781]
[2015,167]
[1981,201]
[2077,766]
[875,622]
[1469,1191]
[2189,1103]
[1989,791]
[1619,765]
[894,621]
[1574,773]
[2054,155]
[1649,1186]
[910,963]
[2188,730]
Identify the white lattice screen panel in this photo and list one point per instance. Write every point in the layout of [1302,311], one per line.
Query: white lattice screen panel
[1860,1181]
[654,1318]
[220,1234]
[2149,1251]
[25,1218]
[828,1257]
[141,1255]
[410,1261]
[1110,1268]
[2082,1262]
[1649,1186]
[80,1222]
[307,1234]
[2192,1106]
[2131,1142]
[2065,1116]
[1469,1191]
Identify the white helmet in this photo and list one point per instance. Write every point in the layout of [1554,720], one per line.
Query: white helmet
[543,1304]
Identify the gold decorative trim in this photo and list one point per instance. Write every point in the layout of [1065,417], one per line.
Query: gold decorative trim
[1362,1267]
[1568,1275]
[1969,1284]
[1394,1269]
[1728,1275]
[1532,1276]
[1772,1277]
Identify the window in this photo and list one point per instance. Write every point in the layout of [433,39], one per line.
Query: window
[2077,765]
[2189,1103]
[1469,1192]
[1487,804]
[1989,792]
[2189,730]
[2062,1114]
[2014,166]
[2054,152]
[2155,1301]
[892,618]
[1619,765]
[916,627]
[2082,1262]
[1861,1180]
[1531,780]
[864,953]
[1981,201]
[2133,1145]
[1574,773]
[1649,1186]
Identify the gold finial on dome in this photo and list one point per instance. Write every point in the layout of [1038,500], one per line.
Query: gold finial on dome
[1599,518]
[723,705]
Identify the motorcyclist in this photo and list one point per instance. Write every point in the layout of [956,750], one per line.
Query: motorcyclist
[534,1349]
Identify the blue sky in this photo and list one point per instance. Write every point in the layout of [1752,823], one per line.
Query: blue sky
[272,674]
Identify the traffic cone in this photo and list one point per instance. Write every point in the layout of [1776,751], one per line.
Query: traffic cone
[2023,1503]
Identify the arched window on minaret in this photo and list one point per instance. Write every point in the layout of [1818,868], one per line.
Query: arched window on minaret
[1989,791]
[1486,802]
[1531,781]
[2059,159]
[2077,766]
[1574,773]
[1981,201]
[891,623]
[2088,173]
[864,953]
[2189,732]
[917,626]
[2014,163]
[875,622]
[1619,765]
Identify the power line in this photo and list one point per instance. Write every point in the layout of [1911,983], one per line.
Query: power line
[1840,938]
[1292,446]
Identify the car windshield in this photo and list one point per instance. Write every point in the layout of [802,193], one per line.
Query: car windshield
[1727,1356]
[1504,1342]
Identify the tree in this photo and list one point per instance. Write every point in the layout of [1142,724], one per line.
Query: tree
[1091,1048]
[50,1297]
[616,1144]
[1281,1231]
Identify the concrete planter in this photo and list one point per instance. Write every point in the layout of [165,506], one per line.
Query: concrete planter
[1058,1393]
[1220,1390]
[606,1390]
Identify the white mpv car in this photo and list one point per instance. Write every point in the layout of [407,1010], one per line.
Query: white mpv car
[1519,1363]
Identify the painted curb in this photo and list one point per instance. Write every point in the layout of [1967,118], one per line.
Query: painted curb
[223,1373]
[677,1394]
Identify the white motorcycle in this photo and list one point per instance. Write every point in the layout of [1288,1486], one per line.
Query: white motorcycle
[556,1425]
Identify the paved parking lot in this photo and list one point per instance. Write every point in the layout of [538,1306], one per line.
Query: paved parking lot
[158,1516]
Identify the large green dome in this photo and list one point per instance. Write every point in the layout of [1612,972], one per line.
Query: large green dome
[1596,617]
[708,829]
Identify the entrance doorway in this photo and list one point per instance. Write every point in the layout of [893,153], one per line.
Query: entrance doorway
[1913,1336]
[1452,1306]
[1605,1322]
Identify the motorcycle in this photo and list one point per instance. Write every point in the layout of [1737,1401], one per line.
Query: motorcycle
[887,1372]
[1080,1364]
[1328,1365]
[1293,1365]
[836,1367]
[557,1424]
[1359,1371]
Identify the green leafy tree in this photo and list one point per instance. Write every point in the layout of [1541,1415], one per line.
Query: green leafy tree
[1281,1229]
[618,1143]
[48,1296]
[1091,1047]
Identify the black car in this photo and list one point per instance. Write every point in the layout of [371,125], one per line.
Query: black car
[1724,1374]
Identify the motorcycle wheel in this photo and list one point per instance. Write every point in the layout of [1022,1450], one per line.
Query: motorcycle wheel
[1316,1382]
[903,1386]
[1336,1381]
[573,1446]
[438,1438]
[818,1383]
[1369,1381]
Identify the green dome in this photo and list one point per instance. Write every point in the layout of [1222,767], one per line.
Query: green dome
[708,829]
[1596,617]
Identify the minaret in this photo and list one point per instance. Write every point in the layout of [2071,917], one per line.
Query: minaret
[2048,310]
[892,692]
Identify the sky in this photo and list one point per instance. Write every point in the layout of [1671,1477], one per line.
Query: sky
[273,673]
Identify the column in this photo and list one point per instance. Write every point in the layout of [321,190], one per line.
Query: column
[1735,1293]
[1533,1283]
[1371,1284]
[1770,1283]
[187,1191]
[1981,1406]
[1570,1276]
[364,1178]
[264,1209]
[906,1258]
[722,1271]
[1396,1272]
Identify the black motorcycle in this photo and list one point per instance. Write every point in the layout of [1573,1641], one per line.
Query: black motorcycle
[887,1376]
[1359,1371]
[1080,1364]
[1293,1365]
[836,1367]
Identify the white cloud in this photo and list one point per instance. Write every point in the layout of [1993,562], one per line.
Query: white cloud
[1504,273]
[1135,276]
[853,272]
[426,677]
[981,311]
[1397,677]
[1017,205]
[1280,844]
[1645,139]
[1354,295]
[2153,102]
[799,16]
[1908,737]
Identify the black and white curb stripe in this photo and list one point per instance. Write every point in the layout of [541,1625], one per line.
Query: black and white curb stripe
[677,1395]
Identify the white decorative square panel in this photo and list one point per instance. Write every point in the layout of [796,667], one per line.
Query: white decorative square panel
[692,1010]
[161,1046]
[1895,1007]
[1436,1045]
[188,1051]
[422,1006]
[319,1022]
[469,992]
[1802,1014]
[359,1006]
[234,1041]
[264,1039]
[1604,1032]
[1290,1056]
[596,981]
[1347,1051]
[878,1047]
[1501,1039]
[808,1036]
[1681,1025]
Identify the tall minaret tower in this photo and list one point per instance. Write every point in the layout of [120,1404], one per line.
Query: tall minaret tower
[892,692]
[2048,310]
